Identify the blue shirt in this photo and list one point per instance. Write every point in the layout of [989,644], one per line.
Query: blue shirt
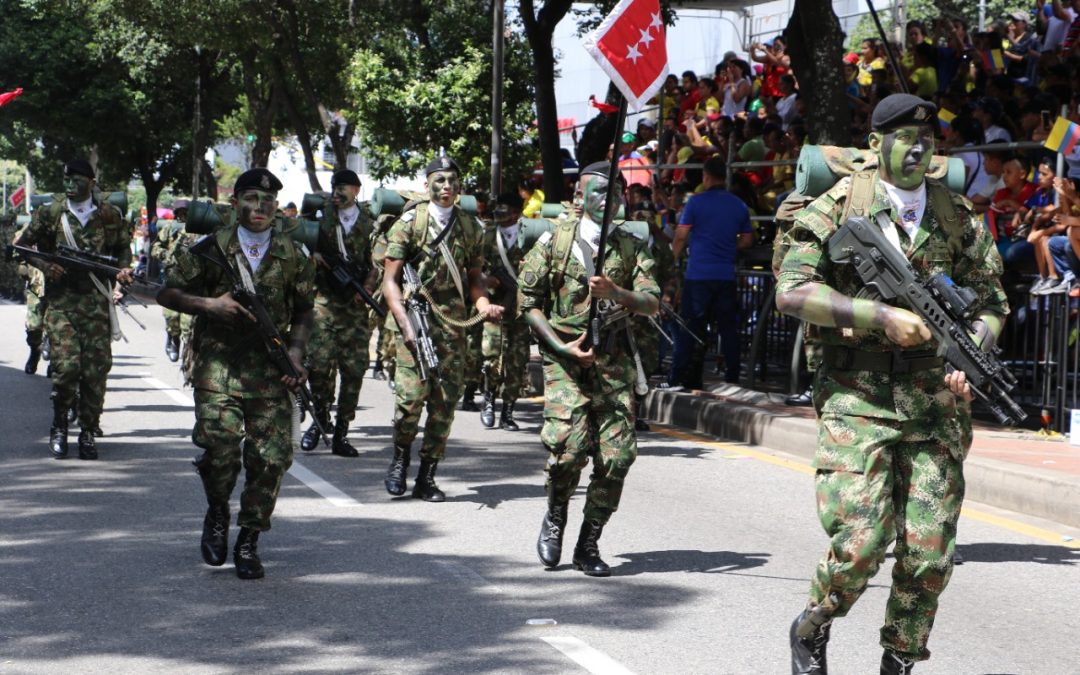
[716,218]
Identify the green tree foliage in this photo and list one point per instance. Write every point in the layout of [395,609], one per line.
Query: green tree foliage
[927,11]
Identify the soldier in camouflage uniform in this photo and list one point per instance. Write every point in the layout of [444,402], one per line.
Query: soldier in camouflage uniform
[35,315]
[445,245]
[894,428]
[384,344]
[646,331]
[341,338]
[170,236]
[588,396]
[505,344]
[80,318]
[10,282]
[244,406]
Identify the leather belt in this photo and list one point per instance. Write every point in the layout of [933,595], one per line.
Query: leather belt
[845,358]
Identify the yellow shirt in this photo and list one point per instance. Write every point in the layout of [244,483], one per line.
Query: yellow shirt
[533,206]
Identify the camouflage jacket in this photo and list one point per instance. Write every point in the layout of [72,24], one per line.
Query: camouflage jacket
[231,359]
[897,396]
[357,247]
[504,295]
[409,237]
[105,233]
[628,263]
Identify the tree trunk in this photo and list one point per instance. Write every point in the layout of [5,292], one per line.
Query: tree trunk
[539,29]
[297,122]
[816,46]
[263,107]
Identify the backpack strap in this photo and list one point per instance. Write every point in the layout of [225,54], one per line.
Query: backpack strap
[860,195]
[946,213]
[560,250]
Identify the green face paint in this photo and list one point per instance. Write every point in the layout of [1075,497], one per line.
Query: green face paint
[594,196]
[504,216]
[444,187]
[255,209]
[344,195]
[904,154]
[77,188]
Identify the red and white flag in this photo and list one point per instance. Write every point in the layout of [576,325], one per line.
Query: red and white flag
[630,45]
[9,96]
[17,197]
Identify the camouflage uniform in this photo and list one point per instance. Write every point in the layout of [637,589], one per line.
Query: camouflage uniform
[35,304]
[648,339]
[341,335]
[439,392]
[387,338]
[891,444]
[587,412]
[77,314]
[505,344]
[169,235]
[242,409]
[10,282]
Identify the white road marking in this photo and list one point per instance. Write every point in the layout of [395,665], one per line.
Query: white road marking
[592,660]
[298,470]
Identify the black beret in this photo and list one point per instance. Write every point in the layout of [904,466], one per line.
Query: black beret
[510,199]
[79,167]
[257,179]
[345,177]
[897,110]
[442,163]
[597,169]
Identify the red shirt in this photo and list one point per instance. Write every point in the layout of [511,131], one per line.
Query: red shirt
[1001,209]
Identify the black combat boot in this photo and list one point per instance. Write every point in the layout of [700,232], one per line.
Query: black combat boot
[58,440]
[506,419]
[549,544]
[340,445]
[311,437]
[32,361]
[87,448]
[487,410]
[246,555]
[467,402]
[377,372]
[425,487]
[808,653]
[895,664]
[587,552]
[215,535]
[399,468]
[172,347]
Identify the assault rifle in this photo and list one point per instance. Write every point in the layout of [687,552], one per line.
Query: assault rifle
[416,307]
[77,260]
[208,249]
[946,309]
[346,275]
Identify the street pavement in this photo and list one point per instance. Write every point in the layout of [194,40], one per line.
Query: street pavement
[711,553]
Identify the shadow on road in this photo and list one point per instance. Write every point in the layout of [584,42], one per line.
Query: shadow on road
[711,562]
[1046,554]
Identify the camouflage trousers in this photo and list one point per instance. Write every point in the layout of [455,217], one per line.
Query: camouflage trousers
[910,494]
[256,432]
[35,318]
[81,360]
[474,357]
[588,413]
[648,344]
[339,345]
[172,321]
[506,354]
[439,394]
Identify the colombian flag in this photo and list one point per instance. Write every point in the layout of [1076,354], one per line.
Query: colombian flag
[1063,136]
[993,59]
[946,117]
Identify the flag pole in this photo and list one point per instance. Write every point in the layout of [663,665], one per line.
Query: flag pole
[592,331]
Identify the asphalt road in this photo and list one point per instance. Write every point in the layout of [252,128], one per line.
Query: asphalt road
[711,553]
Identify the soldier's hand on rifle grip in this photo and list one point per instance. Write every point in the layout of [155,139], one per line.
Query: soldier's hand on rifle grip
[125,277]
[491,312]
[575,350]
[294,383]
[603,288]
[958,385]
[905,328]
[53,271]
[320,260]
[226,309]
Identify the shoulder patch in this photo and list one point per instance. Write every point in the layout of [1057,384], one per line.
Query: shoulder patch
[408,216]
[529,278]
[544,238]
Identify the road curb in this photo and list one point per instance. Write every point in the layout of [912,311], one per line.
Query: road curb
[1030,490]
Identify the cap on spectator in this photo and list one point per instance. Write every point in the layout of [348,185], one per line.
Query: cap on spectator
[902,109]
[629,137]
[345,177]
[179,204]
[729,56]
[684,155]
[851,57]
[758,69]
[1019,16]
[257,179]
[291,205]
[441,163]
[647,122]
[79,167]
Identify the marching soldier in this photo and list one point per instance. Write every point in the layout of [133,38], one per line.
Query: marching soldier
[505,344]
[339,343]
[80,318]
[894,428]
[171,235]
[445,246]
[243,404]
[588,395]
[35,316]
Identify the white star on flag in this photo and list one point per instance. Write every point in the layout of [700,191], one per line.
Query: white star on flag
[632,56]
